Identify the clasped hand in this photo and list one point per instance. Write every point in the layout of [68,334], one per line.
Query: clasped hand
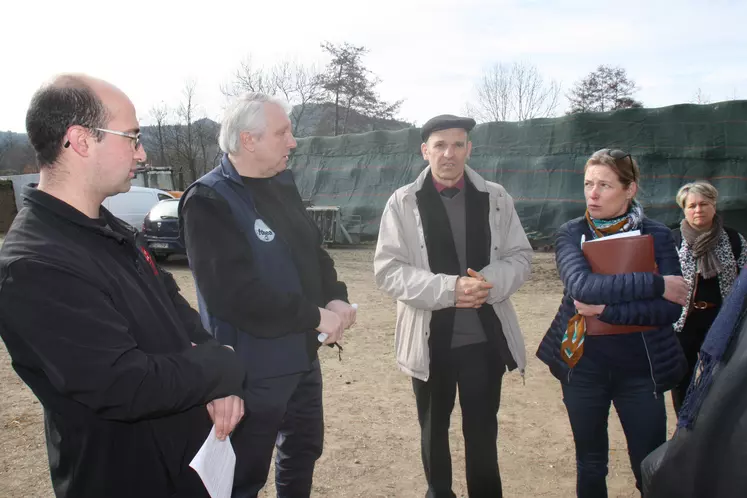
[471,291]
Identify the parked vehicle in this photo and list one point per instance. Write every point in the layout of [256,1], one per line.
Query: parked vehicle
[161,229]
[133,205]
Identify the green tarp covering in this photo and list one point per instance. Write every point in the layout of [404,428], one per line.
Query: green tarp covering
[540,162]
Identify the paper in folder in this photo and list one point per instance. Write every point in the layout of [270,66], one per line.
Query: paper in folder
[615,255]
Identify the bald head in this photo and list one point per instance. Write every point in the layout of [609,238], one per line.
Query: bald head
[67,100]
[71,80]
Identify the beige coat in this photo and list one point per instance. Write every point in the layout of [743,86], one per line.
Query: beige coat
[402,271]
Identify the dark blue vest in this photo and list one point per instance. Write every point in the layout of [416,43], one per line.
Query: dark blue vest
[274,265]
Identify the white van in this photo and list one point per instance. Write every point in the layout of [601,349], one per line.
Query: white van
[132,206]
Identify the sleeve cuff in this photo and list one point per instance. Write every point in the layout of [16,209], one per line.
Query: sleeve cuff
[309,316]
[605,315]
[658,285]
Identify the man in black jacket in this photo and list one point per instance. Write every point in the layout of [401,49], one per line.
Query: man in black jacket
[128,378]
[266,287]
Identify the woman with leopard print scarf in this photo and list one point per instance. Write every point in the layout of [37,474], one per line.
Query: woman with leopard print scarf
[711,256]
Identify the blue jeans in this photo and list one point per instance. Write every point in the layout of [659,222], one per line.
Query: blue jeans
[642,413]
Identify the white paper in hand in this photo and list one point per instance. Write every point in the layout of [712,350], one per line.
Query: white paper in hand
[619,235]
[215,464]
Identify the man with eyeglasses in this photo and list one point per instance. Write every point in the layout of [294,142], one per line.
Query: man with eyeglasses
[128,378]
[134,135]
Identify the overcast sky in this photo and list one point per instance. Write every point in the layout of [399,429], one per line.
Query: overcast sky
[428,53]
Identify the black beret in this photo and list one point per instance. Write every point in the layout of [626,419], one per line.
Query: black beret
[445,122]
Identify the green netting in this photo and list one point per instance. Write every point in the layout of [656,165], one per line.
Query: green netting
[540,162]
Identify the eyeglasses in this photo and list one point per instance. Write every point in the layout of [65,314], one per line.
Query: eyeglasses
[132,136]
[615,154]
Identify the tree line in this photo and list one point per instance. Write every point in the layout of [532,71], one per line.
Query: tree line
[341,98]
[336,99]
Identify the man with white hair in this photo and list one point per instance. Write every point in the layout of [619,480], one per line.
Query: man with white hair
[268,288]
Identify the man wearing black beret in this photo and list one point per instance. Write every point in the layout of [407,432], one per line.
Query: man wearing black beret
[445,122]
[451,251]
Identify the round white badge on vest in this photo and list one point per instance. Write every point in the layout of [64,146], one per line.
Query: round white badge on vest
[264,233]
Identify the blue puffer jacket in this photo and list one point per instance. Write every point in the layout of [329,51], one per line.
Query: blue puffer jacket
[630,299]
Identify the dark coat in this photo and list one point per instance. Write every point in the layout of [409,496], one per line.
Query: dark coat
[102,337]
[707,461]
[260,268]
[630,299]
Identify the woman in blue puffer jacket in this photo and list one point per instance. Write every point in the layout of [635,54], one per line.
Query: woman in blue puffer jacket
[631,370]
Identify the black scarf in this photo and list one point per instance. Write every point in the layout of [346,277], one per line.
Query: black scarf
[442,258]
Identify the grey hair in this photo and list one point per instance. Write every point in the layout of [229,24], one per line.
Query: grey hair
[246,114]
[700,187]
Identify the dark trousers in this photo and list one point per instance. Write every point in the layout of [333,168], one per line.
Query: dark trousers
[642,414]
[285,412]
[691,339]
[477,374]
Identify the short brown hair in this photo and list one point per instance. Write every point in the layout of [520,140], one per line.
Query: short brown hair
[618,161]
[67,101]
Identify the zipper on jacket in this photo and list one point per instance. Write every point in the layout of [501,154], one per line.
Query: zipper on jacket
[650,365]
[138,257]
[131,245]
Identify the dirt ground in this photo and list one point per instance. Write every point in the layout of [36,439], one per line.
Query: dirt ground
[372,436]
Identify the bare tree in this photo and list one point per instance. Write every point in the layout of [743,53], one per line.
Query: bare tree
[533,96]
[700,97]
[207,139]
[182,138]
[159,114]
[7,143]
[298,84]
[515,92]
[248,78]
[301,86]
[16,154]
[493,95]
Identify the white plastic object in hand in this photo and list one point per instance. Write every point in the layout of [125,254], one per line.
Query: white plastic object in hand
[323,337]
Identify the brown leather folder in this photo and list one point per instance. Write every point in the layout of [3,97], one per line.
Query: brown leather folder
[614,256]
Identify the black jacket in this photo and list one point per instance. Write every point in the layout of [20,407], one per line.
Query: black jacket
[707,460]
[223,261]
[103,338]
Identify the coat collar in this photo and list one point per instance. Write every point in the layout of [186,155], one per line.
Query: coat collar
[228,171]
[38,199]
